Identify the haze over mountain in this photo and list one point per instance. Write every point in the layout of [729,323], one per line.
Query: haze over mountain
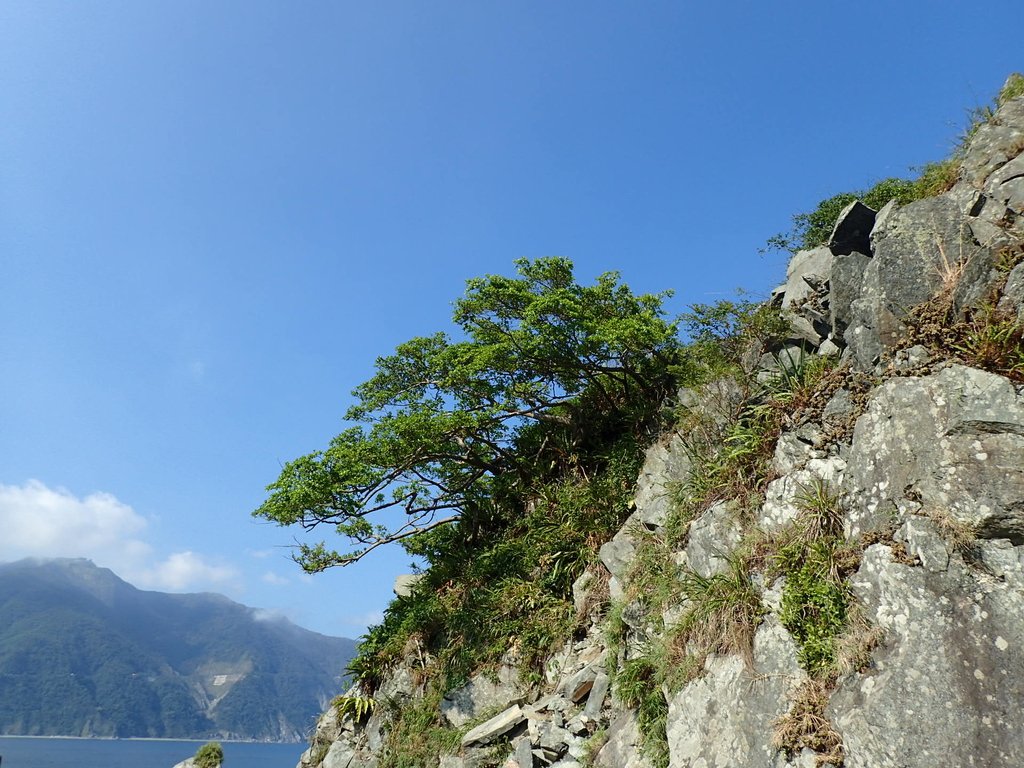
[84,653]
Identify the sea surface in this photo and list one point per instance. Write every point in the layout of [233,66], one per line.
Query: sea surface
[22,752]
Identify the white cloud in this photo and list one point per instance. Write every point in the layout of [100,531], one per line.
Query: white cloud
[38,521]
[185,570]
[261,614]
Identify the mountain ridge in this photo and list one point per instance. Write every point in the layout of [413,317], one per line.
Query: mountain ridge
[85,653]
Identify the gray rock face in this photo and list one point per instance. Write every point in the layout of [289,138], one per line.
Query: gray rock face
[935,462]
[483,693]
[847,276]
[923,249]
[951,443]
[945,688]
[665,467]
[995,143]
[783,496]
[617,553]
[724,719]
[1007,185]
[1013,293]
[340,755]
[806,270]
[713,536]
[622,750]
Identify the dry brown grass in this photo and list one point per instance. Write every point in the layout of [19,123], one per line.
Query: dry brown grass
[855,646]
[806,726]
[958,535]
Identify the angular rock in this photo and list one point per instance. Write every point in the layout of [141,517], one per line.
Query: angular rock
[617,553]
[783,496]
[828,348]
[839,409]
[666,466]
[882,217]
[805,329]
[712,538]
[497,726]
[946,684]
[847,277]
[578,686]
[1006,185]
[792,452]
[553,740]
[774,365]
[483,692]
[404,584]
[522,756]
[994,144]
[814,264]
[852,230]
[622,749]
[951,443]
[340,755]
[725,717]
[1013,292]
[595,701]
[925,249]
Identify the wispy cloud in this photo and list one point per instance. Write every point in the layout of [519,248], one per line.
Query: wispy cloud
[186,570]
[39,521]
[272,578]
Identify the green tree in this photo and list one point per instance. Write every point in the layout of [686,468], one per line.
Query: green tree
[446,424]
[210,755]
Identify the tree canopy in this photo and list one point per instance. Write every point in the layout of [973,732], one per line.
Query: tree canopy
[446,421]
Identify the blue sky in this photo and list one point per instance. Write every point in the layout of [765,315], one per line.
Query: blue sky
[215,215]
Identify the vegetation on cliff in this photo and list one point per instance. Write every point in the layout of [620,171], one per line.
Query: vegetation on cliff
[500,572]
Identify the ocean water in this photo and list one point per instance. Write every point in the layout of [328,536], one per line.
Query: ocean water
[21,752]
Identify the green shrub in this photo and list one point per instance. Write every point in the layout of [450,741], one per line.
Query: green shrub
[638,685]
[210,755]
[1013,88]
[814,610]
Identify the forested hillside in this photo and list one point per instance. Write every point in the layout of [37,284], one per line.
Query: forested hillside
[83,653]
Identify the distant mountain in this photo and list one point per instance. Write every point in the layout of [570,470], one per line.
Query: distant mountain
[83,653]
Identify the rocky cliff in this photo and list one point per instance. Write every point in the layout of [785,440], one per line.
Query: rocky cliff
[824,560]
